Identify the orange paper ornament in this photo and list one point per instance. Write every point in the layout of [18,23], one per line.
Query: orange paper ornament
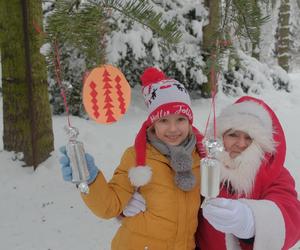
[106,94]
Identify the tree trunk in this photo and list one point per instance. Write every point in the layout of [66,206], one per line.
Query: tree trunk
[283,35]
[210,36]
[27,119]
[256,38]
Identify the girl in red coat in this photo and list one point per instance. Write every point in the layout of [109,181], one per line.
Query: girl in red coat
[257,207]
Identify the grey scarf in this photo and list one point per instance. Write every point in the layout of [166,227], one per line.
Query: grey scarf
[180,159]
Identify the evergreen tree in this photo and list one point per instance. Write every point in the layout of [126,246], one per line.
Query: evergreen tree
[78,36]
[80,28]
[233,25]
[133,48]
[211,36]
[26,110]
[247,19]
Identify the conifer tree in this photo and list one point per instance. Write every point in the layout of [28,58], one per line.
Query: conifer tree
[80,28]
[230,21]
[27,120]
[211,34]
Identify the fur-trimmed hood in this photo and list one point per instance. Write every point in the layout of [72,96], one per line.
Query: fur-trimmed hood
[273,161]
[266,159]
[256,118]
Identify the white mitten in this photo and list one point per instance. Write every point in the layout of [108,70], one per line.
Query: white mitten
[136,205]
[230,216]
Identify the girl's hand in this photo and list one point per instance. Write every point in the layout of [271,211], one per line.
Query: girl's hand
[136,205]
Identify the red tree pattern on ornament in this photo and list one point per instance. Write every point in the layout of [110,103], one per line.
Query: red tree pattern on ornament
[107,99]
[120,95]
[94,94]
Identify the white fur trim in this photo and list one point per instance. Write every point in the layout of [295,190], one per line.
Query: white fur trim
[269,224]
[269,227]
[232,242]
[251,118]
[241,171]
[140,175]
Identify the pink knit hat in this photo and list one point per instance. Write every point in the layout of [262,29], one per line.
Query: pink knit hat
[163,96]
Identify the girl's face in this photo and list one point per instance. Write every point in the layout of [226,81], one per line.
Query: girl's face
[172,129]
[235,142]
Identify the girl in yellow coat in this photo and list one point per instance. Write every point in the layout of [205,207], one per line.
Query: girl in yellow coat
[163,165]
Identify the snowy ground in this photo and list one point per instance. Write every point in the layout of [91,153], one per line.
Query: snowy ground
[39,211]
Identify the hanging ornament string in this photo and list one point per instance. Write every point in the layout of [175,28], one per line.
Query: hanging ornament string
[213,92]
[213,79]
[57,68]
[210,166]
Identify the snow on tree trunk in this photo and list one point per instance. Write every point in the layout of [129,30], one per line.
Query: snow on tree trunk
[294,62]
[283,35]
[256,39]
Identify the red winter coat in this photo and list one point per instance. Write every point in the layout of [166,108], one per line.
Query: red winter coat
[273,201]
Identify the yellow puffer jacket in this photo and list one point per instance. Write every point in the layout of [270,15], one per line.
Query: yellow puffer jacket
[170,219]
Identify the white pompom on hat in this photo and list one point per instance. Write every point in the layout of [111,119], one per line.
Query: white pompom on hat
[163,96]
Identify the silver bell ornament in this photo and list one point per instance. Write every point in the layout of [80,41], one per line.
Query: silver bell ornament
[76,153]
[210,168]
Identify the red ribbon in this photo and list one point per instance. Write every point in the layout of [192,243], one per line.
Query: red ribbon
[57,69]
[214,82]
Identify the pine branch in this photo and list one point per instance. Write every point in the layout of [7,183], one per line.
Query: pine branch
[248,19]
[81,27]
[143,13]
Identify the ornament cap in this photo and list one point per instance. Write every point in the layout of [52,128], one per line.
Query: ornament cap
[72,132]
[213,146]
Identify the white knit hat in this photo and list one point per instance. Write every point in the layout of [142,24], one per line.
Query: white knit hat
[164,96]
[251,118]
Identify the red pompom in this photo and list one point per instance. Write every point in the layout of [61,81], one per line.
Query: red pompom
[152,75]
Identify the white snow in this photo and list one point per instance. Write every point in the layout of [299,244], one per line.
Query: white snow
[39,211]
